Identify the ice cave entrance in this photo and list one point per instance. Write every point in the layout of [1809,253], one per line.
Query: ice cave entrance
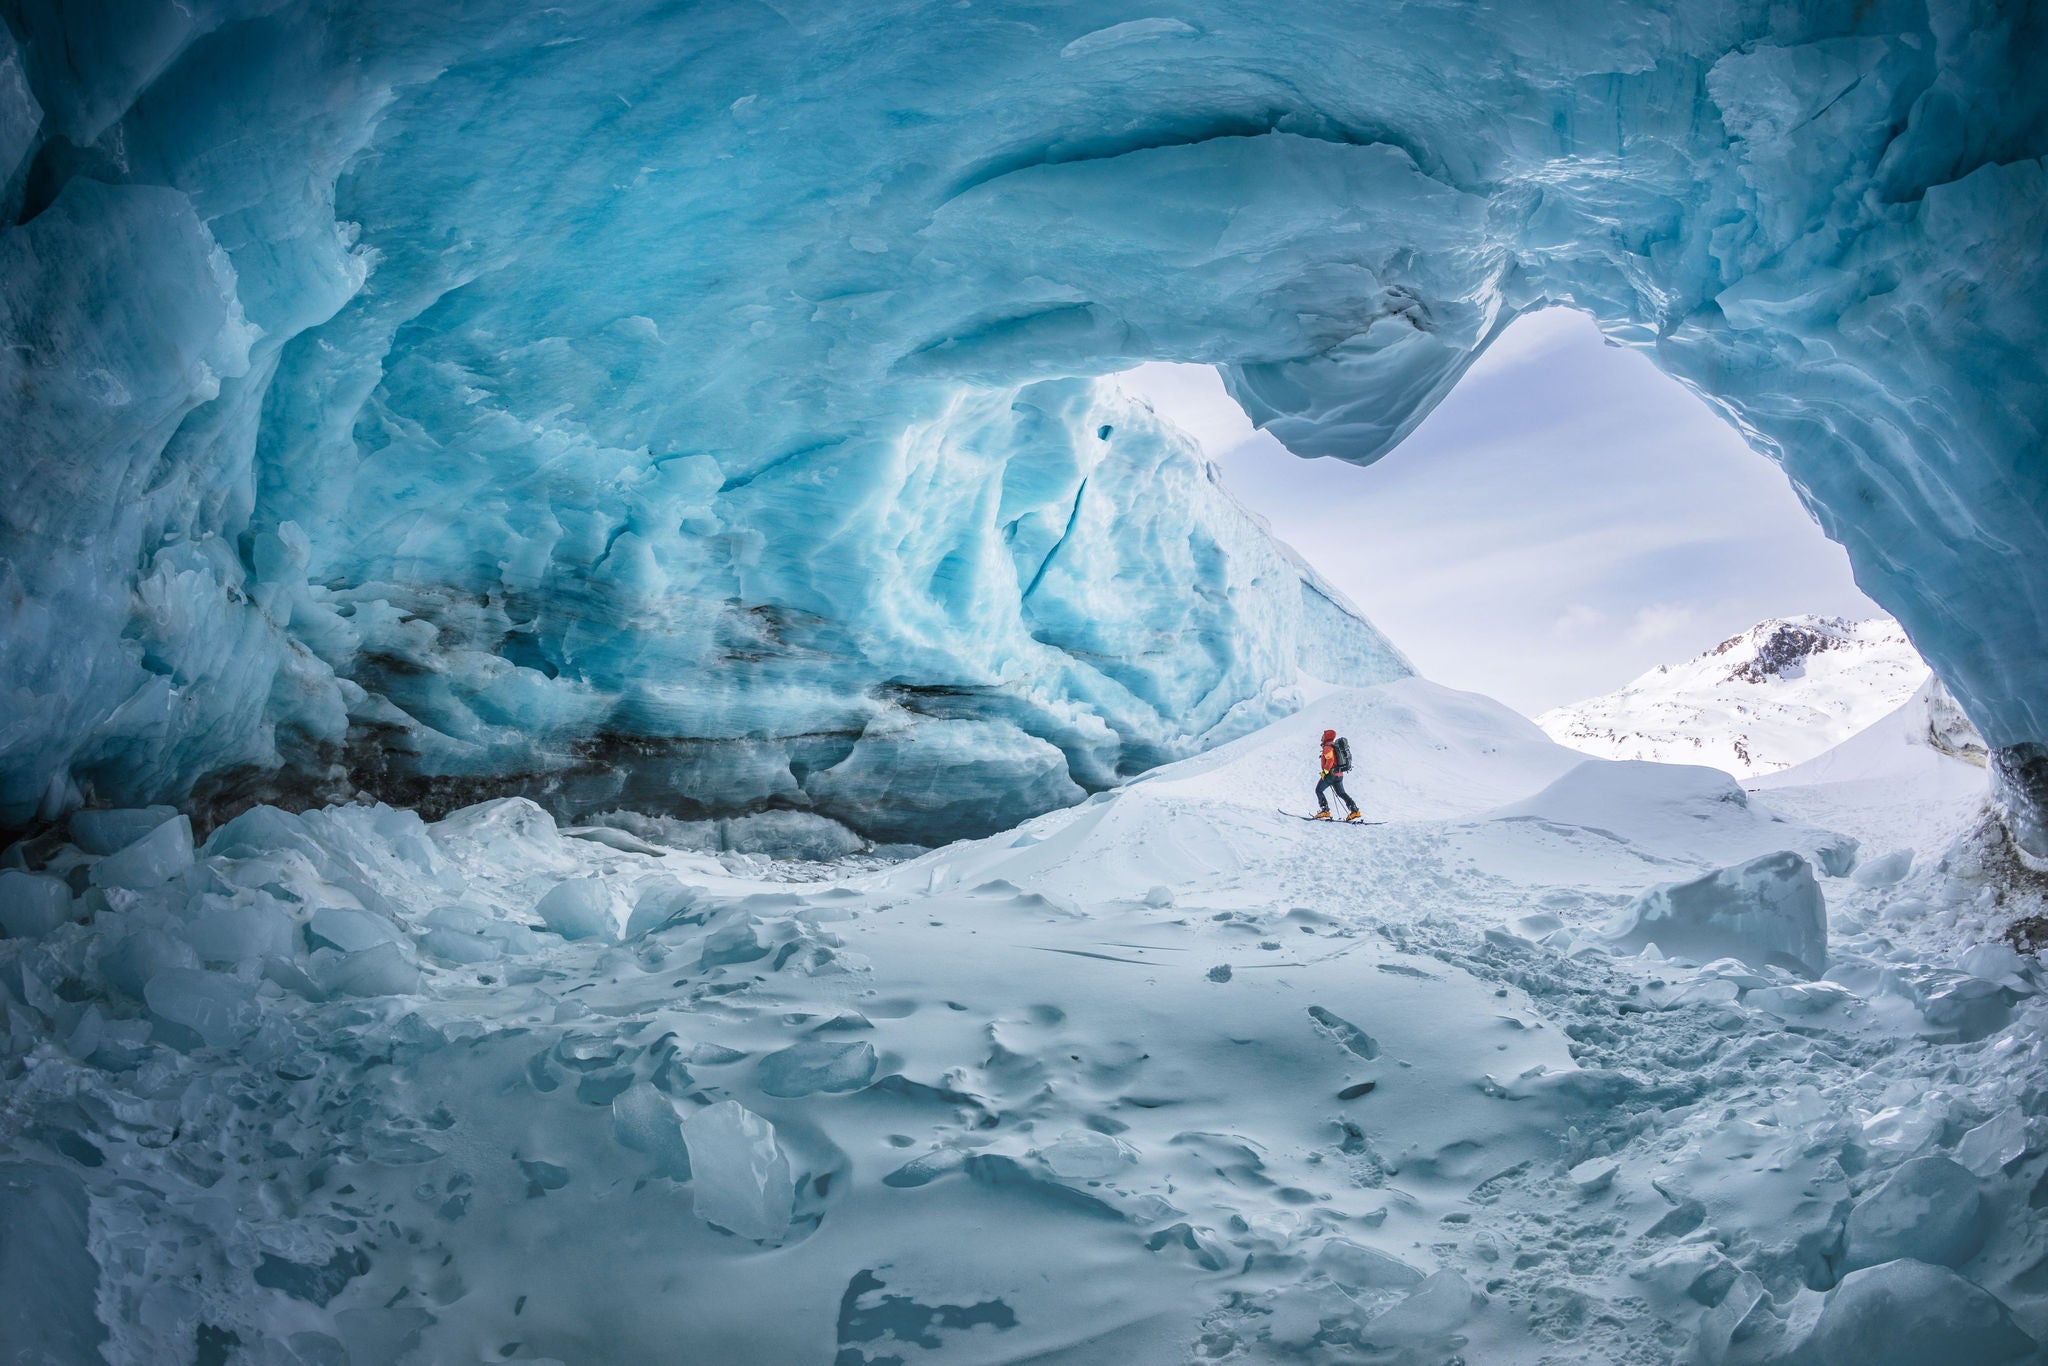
[1568,518]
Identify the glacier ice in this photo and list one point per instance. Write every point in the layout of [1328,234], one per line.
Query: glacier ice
[689,408]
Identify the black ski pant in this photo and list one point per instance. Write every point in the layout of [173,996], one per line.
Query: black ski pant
[1332,782]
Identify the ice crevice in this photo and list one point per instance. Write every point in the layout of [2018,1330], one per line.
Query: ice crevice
[441,404]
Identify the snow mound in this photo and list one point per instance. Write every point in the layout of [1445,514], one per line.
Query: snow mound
[1924,742]
[1668,811]
[1420,751]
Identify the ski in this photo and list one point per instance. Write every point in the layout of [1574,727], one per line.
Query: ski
[1313,820]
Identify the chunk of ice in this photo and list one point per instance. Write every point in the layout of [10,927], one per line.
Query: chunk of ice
[221,1010]
[1084,1155]
[1995,962]
[1907,1313]
[234,932]
[350,931]
[1884,870]
[109,832]
[1838,856]
[816,1065]
[384,970]
[740,1175]
[1439,1306]
[1930,1209]
[1797,999]
[32,904]
[1356,1267]
[454,946]
[658,901]
[1999,1141]
[1768,911]
[645,1120]
[141,953]
[580,908]
[151,861]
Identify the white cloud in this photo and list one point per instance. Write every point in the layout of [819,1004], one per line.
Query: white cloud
[1578,619]
[1660,623]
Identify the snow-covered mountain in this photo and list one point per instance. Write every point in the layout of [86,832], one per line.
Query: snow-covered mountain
[1780,693]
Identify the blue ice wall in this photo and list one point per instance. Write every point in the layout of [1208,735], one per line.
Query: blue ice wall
[619,401]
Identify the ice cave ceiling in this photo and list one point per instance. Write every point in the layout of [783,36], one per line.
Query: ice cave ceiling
[688,404]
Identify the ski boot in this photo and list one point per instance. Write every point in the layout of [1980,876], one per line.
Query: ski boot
[1320,816]
[1355,816]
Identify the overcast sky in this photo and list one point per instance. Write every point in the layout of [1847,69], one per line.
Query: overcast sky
[1568,518]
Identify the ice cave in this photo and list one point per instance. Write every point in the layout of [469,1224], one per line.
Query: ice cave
[614,749]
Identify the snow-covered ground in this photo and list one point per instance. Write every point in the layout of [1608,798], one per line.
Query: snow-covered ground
[1165,1077]
[1780,693]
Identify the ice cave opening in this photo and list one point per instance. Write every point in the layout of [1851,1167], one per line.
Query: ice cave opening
[1566,520]
[481,485]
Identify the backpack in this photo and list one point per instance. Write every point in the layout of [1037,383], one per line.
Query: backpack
[1343,755]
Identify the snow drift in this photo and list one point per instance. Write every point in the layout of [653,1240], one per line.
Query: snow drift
[620,402]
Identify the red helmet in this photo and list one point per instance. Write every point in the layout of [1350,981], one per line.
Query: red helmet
[1329,735]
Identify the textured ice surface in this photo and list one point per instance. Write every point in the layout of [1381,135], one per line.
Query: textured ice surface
[32,904]
[1906,1313]
[1930,1209]
[673,406]
[47,1315]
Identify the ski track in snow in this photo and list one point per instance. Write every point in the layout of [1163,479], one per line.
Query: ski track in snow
[1165,1077]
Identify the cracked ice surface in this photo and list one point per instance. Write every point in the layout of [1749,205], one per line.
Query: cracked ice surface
[330,1089]
[675,405]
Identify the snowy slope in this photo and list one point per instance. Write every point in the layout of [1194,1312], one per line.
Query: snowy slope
[1164,1078]
[1776,695]
[1925,743]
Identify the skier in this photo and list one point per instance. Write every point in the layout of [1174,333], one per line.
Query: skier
[1336,763]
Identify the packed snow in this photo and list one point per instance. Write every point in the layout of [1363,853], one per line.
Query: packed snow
[675,407]
[1782,692]
[1166,1077]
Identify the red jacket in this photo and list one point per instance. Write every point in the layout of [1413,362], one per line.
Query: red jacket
[1329,758]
